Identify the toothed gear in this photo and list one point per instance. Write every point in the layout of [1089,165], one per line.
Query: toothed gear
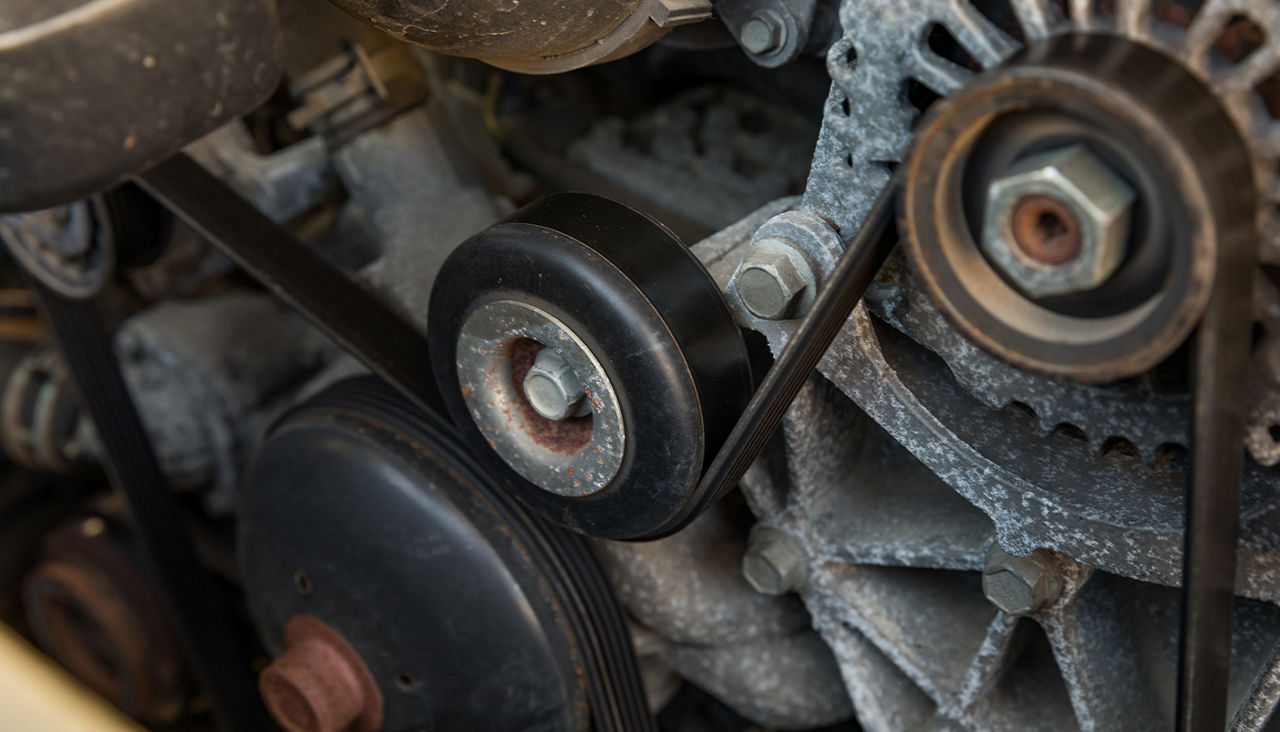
[884,61]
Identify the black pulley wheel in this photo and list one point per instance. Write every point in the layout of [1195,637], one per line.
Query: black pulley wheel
[638,328]
[366,526]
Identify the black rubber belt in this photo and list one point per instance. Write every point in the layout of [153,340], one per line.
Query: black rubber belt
[219,653]
[1220,372]
[388,344]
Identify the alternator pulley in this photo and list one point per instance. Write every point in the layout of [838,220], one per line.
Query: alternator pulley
[1161,133]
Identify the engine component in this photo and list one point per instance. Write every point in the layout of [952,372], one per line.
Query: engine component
[218,651]
[40,422]
[207,375]
[485,582]
[319,683]
[81,108]
[538,38]
[1073,317]
[74,248]
[881,548]
[773,33]
[634,315]
[791,255]
[709,625]
[92,605]
[868,123]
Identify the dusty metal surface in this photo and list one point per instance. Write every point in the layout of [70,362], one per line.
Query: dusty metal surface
[496,349]
[903,469]
[755,652]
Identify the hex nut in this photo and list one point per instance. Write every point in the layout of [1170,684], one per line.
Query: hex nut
[776,280]
[1020,585]
[1058,222]
[775,562]
[763,33]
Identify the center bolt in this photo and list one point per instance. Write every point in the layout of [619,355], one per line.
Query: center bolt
[553,390]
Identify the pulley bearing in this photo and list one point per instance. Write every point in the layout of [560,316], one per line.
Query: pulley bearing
[1147,120]
[644,330]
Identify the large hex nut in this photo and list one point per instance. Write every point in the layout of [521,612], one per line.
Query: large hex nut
[1020,585]
[1058,222]
[775,562]
[776,281]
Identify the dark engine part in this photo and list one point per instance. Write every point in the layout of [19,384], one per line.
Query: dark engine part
[537,36]
[511,624]
[94,91]
[207,375]
[591,362]
[75,248]
[1088,105]
[92,604]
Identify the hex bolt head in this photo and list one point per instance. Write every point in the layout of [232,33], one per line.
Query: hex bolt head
[775,562]
[763,33]
[1020,585]
[775,280]
[1058,222]
[553,390]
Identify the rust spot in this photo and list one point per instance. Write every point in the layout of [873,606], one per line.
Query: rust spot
[566,436]
[320,682]
[1045,229]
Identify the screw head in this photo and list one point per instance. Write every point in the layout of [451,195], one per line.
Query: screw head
[1058,222]
[551,387]
[775,562]
[776,280]
[1020,585]
[763,33]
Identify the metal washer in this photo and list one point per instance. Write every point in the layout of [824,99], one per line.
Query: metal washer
[577,456]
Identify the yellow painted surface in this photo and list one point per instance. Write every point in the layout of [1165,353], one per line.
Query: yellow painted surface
[37,695]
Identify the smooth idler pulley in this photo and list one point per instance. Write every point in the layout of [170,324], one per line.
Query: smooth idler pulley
[590,361]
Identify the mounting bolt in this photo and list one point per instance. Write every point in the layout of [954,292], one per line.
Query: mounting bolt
[764,32]
[775,563]
[776,280]
[1058,222]
[553,390]
[1020,585]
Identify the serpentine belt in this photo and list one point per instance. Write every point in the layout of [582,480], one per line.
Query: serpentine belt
[217,650]
[394,349]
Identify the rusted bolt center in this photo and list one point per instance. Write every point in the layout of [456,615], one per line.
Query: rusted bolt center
[1045,229]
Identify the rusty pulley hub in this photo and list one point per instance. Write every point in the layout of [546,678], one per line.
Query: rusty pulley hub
[1064,210]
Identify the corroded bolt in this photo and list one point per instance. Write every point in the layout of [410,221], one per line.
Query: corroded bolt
[1020,585]
[775,563]
[319,683]
[553,390]
[1058,222]
[763,33]
[775,278]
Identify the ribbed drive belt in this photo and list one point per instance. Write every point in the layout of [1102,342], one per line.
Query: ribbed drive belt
[395,350]
[353,318]
[216,649]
